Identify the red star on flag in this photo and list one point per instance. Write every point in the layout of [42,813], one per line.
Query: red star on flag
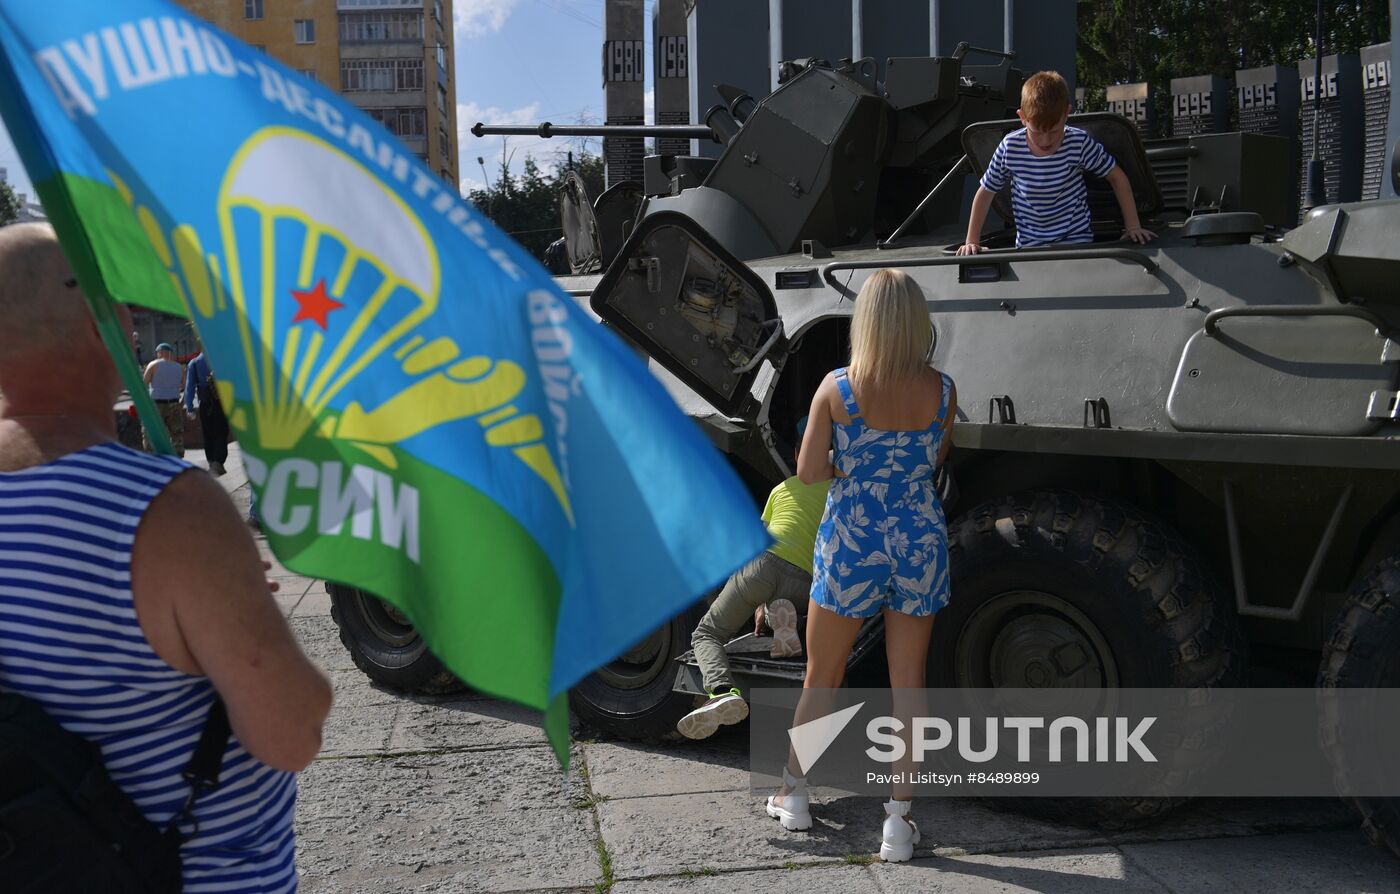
[315,305]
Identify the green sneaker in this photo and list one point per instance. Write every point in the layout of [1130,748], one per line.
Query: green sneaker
[724,708]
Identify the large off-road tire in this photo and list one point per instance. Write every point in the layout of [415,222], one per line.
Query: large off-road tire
[1059,589]
[385,646]
[631,697]
[1363,651]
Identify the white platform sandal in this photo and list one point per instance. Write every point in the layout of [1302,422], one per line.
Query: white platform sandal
[793,813]
[900,835]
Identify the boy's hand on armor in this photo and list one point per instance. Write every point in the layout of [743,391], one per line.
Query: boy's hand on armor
[969,248]
[1140,235]
[758,620]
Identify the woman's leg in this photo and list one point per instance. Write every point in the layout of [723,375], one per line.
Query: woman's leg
[906,650]
[829,640]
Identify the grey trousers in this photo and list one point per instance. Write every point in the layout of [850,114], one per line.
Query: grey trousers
[764,579]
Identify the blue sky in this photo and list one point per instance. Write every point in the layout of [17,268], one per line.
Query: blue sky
[518,61]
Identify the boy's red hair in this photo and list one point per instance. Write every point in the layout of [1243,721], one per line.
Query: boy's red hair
[1044,99]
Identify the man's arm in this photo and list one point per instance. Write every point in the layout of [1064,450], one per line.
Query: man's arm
[980,203]
[150,371]
[1123,191]
[205,607]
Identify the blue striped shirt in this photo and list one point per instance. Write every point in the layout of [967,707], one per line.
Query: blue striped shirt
[1048,195]
[70,639]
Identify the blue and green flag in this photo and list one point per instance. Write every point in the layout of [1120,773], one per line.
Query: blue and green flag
[423,413]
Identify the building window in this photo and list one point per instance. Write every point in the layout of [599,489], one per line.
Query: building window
[364,75]
[380,4]
[252,9]
[402,122]
[444,144]
[437,11]
[305,30]
[447,175]
[410,74]
[308,72]
[387,75]
[375,27]
[442,100]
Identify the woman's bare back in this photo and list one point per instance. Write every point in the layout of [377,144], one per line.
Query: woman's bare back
[908,405]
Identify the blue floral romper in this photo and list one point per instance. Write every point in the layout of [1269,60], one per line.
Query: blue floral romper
[883,540]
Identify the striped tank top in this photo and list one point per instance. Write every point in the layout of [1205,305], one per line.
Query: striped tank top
[69,639]
[1048,195]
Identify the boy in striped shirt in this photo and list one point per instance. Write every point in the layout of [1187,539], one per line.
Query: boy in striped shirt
[1044,163]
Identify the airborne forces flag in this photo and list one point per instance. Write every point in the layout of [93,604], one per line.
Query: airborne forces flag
[423,413]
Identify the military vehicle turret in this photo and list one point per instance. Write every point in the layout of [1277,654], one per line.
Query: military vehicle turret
[1168,456]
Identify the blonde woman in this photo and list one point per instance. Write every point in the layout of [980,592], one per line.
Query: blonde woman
[880,428]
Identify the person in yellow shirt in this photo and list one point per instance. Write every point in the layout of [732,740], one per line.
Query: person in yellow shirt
[780,579]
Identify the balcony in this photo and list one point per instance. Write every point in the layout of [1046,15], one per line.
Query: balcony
[362,5]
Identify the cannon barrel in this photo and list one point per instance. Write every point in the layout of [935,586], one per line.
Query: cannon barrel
[547,130]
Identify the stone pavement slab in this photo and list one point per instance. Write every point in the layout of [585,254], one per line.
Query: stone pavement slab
[1101,870]
[632,770]
[320,640]
[468,722]
[1319,862]
[444,823]
[667,834]
[797,880]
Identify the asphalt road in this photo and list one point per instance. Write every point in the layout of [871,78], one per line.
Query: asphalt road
[463,794]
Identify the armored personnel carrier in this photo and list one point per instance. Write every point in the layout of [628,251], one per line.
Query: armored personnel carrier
[1176,462]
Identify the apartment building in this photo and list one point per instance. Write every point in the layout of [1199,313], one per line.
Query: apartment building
[392,58]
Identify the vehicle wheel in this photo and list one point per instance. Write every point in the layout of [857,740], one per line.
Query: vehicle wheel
[385,646]
[1057,589]
[631,697]
[1364,652]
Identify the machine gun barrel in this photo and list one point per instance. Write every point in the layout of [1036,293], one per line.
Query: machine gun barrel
[547,130]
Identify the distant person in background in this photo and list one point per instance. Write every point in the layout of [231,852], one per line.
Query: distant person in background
[165,379]
[200,391]
[136,346]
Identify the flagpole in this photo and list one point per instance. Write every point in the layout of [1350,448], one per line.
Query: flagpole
[118,343]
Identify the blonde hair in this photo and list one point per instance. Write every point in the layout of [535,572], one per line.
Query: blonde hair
[891,333]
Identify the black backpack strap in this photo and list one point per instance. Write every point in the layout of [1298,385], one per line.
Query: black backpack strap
[202,772]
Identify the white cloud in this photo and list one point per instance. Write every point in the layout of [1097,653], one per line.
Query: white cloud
[492,149]
[476,18]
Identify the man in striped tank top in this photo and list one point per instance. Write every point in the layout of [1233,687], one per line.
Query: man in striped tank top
[123,619]
[1045,162]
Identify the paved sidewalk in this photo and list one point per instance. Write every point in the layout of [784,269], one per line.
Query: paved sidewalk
[463,794]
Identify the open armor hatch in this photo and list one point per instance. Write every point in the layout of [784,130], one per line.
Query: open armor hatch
[595,231]
[694,307]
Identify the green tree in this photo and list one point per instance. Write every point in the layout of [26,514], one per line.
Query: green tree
[9,204]
[526,206]
[1123,41]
